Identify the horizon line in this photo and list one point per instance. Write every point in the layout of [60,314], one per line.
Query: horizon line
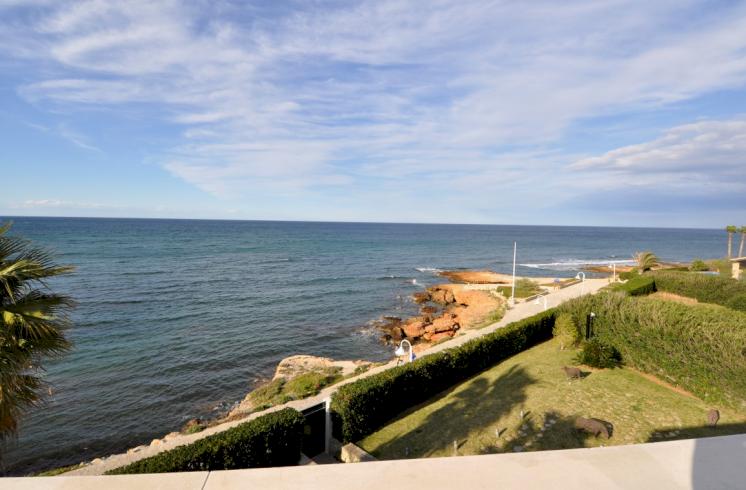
[354,222]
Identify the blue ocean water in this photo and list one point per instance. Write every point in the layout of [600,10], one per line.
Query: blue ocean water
[180,318]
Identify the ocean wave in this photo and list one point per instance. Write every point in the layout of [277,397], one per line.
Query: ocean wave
[429,269]
[573,264]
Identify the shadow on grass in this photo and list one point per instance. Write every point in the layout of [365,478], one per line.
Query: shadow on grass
[471,410]
[541,432]
[675,433]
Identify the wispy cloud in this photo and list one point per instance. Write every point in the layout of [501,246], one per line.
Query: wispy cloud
[380,94]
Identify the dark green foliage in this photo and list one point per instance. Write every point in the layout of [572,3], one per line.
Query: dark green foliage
[637,286]
[626,276]
[737,302]
[270,440]
[703,287]
[701,348]
[599,354]
[566,331]
[362,407]
[698,265]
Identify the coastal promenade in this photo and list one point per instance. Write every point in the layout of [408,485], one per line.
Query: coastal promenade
[519,311]
[709,463]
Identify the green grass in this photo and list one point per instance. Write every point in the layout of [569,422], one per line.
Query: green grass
[532,381]
[524,288]
[281,390]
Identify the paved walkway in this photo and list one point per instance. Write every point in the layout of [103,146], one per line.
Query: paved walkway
[520,311]
[711,463]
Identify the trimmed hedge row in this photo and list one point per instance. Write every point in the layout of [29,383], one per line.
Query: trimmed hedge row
[704,288]
[270,440]
[637,286]
[701,348]
[362,407]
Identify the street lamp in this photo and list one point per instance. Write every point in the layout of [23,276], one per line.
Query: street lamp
[538,301]
[400,350]
[581,276]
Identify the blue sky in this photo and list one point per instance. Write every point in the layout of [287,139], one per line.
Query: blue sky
[596,113]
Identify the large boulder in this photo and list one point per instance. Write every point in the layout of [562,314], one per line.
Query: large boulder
[443,324]
[414,329]
[421,297]
[436,337]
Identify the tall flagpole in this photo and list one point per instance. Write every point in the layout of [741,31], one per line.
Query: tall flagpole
[512,290]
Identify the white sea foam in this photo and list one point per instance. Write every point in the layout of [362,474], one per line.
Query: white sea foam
[429,269]
[573,264]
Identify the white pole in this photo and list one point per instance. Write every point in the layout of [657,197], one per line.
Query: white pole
[512,289]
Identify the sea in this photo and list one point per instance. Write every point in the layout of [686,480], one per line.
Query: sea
[178,319]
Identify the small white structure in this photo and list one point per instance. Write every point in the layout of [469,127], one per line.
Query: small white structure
[736,266]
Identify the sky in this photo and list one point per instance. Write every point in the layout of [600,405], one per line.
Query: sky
[613,113]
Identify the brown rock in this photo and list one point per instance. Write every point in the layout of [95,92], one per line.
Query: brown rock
[421,297]
[448,296]
[442,335]
[444,324]
[712,417]
[438,296]
[593,426]
[572,372]
[397,333]
[192,425]
[428,310]
[414,329]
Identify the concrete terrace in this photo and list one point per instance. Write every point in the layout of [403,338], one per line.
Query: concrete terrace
[518,312]
[710,463]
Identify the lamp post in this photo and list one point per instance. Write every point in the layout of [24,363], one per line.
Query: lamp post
[581,276]
[512,289]
[538,301]
[400,350]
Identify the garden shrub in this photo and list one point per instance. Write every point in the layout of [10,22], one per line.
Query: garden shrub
[626,276]
[703,287]
[698,265]
[701,348]
[637,286]
[270,440]
[599,354]
[565,331]
[737,302]
[361,407]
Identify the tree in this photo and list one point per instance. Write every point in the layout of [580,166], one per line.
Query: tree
[32,324]
[731,229]
[645,261]
[741,230]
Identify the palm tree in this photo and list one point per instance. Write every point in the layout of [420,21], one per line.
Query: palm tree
[741,230]
[32,323]
[645,261]
[731,230]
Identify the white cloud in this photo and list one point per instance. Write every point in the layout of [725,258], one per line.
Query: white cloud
[441,91]
[711,149]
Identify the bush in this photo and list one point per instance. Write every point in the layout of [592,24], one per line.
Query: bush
[704,288]
[637,286]
[270,440]
[626,276]
[701,348]
[599,354]
[737,302]
[698,265]
[565,331]
[361,407]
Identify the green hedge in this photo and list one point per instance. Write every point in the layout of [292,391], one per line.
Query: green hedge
[362,407]
[704,288]
[637,286]
[701,348]
[270,440]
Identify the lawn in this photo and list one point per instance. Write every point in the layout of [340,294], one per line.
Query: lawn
[533,384]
